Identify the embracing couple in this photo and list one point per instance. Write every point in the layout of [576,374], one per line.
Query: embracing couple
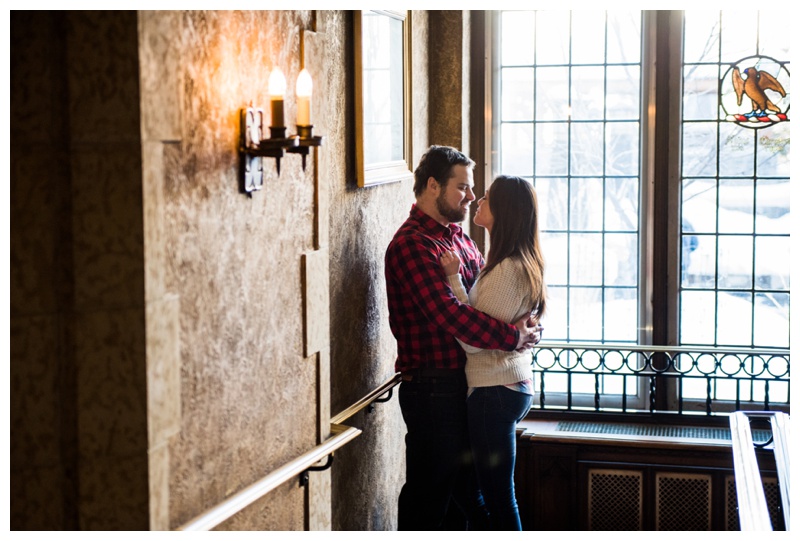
[464,328]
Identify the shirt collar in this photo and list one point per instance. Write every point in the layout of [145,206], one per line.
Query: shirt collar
[433,227]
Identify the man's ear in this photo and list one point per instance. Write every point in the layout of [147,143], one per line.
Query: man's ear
[433,185]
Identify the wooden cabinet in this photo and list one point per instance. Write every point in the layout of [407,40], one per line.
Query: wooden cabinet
[594,481]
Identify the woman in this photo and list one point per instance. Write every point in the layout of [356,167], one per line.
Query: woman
[500,382]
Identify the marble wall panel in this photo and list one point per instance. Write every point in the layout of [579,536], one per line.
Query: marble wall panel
[37,64]
[363,353]
[112,419]
[320,508]
[39,174]
[160,75]
[103,77]
[158,469]
[154,223]
[283,510]
[248,394]
[419,83]
[108,248]
[41,375]
[160,122]
[40,259]
[370,471]
[449,65]
[163,370]
[112,399]
[367,500]
[447,78]
[34,384]
[41,423]
[114,493]
[315,296]
[37,497]
[108,262]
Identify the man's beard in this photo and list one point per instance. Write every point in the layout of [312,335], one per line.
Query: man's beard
[453,215]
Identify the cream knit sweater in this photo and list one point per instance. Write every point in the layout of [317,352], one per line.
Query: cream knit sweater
[504,294]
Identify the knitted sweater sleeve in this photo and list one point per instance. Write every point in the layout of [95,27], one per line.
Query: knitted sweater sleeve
[503,294]
[457,285]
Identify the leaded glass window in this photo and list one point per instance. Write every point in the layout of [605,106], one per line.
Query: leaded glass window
[570,112]
[735,215]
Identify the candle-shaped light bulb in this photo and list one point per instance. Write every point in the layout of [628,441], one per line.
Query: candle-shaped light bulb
[304,86]
[277,89]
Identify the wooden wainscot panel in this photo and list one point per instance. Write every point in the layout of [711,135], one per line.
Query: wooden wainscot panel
[546,486]
[582,482]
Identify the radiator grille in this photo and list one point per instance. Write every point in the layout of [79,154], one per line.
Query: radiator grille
[731,505]
[628,429]
[615,500]
[772,493]
[683,502]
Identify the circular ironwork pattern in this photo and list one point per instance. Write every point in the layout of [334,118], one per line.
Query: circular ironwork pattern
[681,364]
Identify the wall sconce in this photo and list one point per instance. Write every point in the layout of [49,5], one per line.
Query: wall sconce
[254,146]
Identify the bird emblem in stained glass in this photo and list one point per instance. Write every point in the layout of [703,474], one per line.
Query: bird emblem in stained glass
[755,92]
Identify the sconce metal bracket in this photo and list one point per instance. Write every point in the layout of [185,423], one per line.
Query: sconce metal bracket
[274,147]
[307,140]
[253,147]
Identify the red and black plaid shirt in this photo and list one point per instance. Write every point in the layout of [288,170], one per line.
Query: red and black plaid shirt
[424,314]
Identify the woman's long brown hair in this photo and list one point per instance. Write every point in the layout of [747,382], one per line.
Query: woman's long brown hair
[515,232]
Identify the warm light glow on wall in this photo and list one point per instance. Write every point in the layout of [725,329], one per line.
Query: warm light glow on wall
[253,146]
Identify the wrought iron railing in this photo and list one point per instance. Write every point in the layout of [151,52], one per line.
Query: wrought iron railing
[630,378]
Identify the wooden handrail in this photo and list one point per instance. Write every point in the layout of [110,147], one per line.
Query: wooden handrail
[753,510]
[367,399]
[781,438]
[340,435]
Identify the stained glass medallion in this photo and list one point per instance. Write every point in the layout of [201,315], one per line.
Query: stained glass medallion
[754,92]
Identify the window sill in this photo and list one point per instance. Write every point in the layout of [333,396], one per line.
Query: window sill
[622,434]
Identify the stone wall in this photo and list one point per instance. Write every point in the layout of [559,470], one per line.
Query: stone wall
[78,387]
[157,313]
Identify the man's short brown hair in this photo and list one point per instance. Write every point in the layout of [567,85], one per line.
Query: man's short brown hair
[438,162]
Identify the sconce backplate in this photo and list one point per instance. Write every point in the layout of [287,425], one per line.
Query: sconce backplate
[252,166]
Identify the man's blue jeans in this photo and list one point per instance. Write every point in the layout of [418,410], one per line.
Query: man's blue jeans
[493,414]
[439,467]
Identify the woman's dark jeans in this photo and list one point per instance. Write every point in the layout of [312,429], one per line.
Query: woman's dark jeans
[493,414]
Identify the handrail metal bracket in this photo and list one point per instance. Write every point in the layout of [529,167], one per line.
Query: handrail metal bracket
[304,475]
[385,398]
[367,401]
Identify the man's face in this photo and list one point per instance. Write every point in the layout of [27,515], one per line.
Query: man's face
[454,199]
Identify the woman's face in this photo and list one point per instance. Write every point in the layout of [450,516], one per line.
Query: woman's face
[483,216]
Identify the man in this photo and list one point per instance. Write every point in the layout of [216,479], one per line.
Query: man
[426,318]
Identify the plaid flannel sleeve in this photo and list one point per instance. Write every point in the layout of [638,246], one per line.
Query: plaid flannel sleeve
[416,263]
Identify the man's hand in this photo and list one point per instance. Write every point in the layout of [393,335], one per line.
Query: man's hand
[530,332]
